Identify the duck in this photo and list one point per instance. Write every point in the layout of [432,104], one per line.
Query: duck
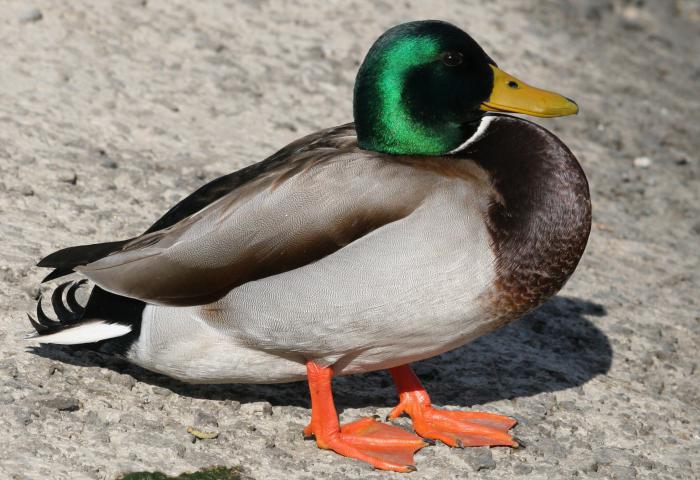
[433,219]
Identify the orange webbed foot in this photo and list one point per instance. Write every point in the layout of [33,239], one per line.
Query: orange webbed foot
[454,428]
[383,446]
[459,429]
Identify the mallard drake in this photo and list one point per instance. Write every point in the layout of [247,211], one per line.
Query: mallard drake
[432,220]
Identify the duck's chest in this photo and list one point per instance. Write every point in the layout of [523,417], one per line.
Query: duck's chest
[539,218]
[533,267]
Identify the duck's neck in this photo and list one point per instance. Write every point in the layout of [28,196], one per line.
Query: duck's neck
[541,215]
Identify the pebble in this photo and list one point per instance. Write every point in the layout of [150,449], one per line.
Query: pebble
[131,419]
[232,405]
[92,418]
[180,450]
[109,163]
[643,462]
[588,465]
[109,416]
[24,416]
[618,472]
[522,469]
[53,369]
[535,408]
[611,455]
[266,409]
[549,448]
[257,408]
[31,15]
[62,404]
[480,458]
[68,177]
[205,419]
[125,380]
[642,162]
[161,391]
[550,402]
[9,368]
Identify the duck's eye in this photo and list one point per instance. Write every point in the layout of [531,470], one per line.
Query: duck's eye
[452,59]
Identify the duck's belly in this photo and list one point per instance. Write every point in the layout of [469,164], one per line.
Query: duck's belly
[407,291]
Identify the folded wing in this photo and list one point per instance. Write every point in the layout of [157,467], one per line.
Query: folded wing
[322,194]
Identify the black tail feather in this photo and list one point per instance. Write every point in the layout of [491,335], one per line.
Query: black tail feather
[43,324]
[65,260]
[72,301]
[57,273]
[62,312]
[42,318]
[40,329]
[68,314]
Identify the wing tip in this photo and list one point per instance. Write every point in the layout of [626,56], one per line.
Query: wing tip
[66,259]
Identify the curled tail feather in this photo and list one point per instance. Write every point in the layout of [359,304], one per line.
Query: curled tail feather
[105,316]
[68,314]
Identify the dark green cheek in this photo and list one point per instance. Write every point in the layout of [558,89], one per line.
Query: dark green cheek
[386,122]
[403,138]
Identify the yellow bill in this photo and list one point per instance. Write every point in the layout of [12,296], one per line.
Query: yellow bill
[512,95]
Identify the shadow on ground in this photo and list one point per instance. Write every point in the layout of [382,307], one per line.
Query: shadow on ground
[551,349]
[214,473]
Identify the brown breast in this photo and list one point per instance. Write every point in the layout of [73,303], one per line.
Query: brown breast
[540,217]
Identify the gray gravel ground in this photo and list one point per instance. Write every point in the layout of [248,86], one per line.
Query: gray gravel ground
[112,111]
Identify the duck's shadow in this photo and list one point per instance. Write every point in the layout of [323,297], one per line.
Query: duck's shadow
[551,349]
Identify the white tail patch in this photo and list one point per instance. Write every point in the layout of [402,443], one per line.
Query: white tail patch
[86,333]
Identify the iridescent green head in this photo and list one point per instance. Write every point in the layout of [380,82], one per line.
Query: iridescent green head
[419,88]
[424,86]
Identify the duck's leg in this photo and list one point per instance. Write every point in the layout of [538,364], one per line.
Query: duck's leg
[385,447]
[456,429]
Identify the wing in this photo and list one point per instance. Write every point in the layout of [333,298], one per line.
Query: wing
[64,261]
[307,201]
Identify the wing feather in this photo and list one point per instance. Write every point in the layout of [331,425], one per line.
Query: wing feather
[317,197]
